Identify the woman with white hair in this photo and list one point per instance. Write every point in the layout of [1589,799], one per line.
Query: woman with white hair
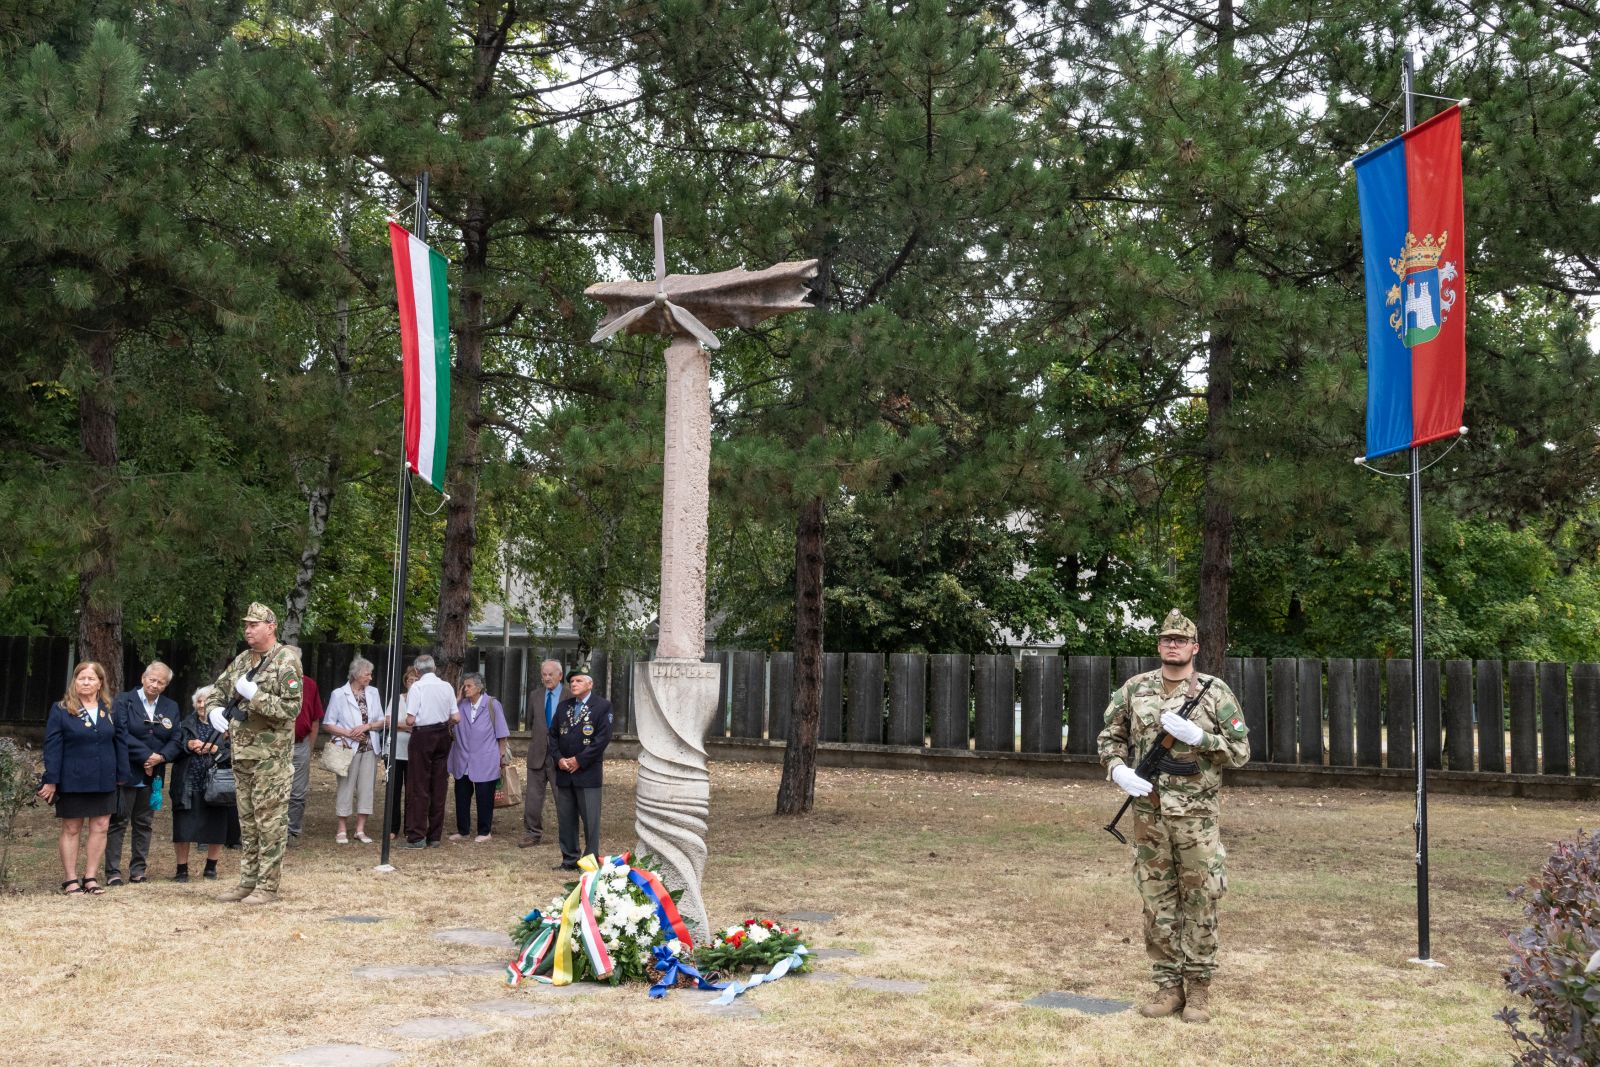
[195,821]
[355,720]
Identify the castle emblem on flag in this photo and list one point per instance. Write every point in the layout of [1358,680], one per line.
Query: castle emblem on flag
[1425,294]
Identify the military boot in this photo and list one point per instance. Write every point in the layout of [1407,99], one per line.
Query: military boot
[260,896]
[1168,1000]
[1197,1001]
[237,893]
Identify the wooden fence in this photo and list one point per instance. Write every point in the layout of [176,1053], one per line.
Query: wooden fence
[1477,714]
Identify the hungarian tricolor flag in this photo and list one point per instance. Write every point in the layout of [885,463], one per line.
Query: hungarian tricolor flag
[1414,240]
[425,352]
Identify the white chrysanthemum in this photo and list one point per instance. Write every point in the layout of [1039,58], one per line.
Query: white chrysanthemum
[676,946]
[758,934]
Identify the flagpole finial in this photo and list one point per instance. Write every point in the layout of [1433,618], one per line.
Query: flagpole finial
[1462,432]
[1361,461]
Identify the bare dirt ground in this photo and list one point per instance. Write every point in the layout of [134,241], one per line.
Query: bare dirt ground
[989,890]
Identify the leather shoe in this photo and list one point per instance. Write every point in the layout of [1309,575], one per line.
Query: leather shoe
[527,842]
[565,867]
[415,844]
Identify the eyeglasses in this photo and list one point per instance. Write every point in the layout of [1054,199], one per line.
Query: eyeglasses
[1174,640]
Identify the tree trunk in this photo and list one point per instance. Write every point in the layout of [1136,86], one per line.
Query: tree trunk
[319,498]
[1216,531]
[99,610]
[461,513]
[798,786]
[797,789]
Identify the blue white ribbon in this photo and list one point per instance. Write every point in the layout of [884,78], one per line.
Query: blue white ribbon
[779,969]
[670,967]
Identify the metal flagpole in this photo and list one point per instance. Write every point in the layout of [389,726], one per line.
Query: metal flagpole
[1418,715]
[397,619]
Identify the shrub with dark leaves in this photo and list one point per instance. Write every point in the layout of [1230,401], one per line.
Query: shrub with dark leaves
[1555,961]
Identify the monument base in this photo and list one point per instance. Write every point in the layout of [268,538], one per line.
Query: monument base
[675,701]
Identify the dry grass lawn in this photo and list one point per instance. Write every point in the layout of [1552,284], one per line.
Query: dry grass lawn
[989,890]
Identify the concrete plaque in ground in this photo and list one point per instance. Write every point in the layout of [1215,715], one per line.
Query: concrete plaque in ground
[1073,1002]
[822,976]
[477,968]
[403,970]
[889,985]
[833,953]
[701,1000]
[340,1056]
[808,916]
[480,938]
[439,1029]
[356,919]
[515,1009]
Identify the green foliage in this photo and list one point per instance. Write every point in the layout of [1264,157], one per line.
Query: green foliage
[1553,960]
[19,777]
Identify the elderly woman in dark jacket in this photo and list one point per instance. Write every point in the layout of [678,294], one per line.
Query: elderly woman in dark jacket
[85,761]
[193,820]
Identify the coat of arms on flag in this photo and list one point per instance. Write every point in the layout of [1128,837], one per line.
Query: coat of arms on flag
[1424,297]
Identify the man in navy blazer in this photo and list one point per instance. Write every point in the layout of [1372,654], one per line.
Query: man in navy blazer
[150,721]
[579,734]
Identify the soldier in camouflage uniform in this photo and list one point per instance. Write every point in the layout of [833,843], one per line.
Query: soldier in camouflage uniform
[1178,860]
[266,680]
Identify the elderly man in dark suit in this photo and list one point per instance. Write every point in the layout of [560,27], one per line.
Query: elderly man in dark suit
[580,733]
[150,720]
[541,754]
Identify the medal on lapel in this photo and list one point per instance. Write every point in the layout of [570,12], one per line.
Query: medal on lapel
[166,723]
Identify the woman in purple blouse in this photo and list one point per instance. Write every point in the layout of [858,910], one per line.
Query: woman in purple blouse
[481,745]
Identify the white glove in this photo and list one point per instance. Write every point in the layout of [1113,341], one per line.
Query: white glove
[1181,729]
[218,721]
[1131,783]
[247,689]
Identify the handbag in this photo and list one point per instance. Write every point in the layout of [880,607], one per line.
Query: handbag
[337,759]
[511,784]
[221,790]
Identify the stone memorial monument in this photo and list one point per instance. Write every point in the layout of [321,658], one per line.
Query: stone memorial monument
[675,694]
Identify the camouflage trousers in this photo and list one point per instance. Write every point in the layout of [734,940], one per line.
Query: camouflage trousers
[263,786]
[1179,867]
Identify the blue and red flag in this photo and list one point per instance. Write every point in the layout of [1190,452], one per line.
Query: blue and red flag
[1413,237]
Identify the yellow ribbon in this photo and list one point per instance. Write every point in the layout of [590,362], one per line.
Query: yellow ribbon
[561,971]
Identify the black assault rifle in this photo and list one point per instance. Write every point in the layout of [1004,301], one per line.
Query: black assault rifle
[236,709]
[1159,761]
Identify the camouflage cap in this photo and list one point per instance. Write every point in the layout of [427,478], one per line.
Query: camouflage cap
[1177,624]
[259,612]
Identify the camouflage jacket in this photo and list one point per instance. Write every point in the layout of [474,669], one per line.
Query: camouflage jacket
[1133,722]
[269,729]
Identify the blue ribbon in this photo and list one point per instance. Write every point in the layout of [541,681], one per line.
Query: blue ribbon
[670,967]
[779,969]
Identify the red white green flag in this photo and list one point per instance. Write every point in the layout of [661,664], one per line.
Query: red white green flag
[425,352]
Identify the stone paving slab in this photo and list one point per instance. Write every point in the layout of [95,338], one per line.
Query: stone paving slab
[477,968]
[514,1009]
[574,989]
[481,938]
[340,1056]
[403,970]
[395,972]
[439,1029]
[889,985]
[1074,1002]
[701,1001]
[822,976]
[355,918]
[808,916]
[833,953]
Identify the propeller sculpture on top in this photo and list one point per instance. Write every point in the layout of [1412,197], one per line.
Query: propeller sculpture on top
[670,311]
[675,694]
